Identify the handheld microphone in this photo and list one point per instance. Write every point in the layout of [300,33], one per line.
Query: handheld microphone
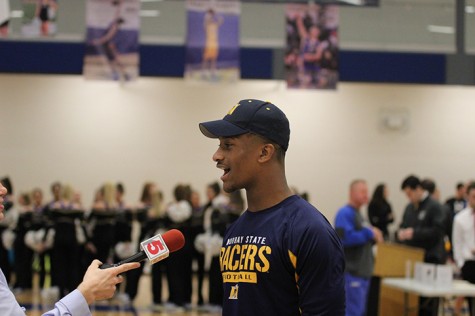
[155,249]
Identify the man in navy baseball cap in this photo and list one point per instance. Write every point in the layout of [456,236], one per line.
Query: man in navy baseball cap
[251,116]
[281,251]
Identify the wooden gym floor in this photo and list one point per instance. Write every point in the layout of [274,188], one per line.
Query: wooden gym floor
[31,300]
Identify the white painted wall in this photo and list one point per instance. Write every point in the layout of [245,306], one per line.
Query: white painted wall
[88,132]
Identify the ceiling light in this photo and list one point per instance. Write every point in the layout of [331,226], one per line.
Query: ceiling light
[16,14]
[354,2]
[469,9]
[441,29]
[149,13]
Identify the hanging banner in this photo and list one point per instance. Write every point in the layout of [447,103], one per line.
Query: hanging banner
[39,17]
[212,40]
[4,17]
[112,40]
[311,56]
[358,3]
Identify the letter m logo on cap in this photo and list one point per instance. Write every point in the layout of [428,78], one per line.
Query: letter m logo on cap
[155,248]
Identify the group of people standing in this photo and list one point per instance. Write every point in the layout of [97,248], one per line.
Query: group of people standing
[444,230]
[61,237]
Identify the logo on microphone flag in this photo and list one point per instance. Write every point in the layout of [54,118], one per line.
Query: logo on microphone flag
[155,248]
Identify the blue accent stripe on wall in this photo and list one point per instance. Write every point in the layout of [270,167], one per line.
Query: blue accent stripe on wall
[392,67]
[256,63]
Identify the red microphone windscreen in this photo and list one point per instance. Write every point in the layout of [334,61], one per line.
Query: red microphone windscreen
[174,239]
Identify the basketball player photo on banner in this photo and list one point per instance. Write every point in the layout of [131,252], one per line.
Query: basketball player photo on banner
[4,17]
[39,17]
[212,40]
[311,56]
[112,40]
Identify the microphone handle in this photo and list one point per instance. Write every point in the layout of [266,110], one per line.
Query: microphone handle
[138,257]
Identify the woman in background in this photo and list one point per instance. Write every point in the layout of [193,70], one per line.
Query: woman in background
[380,213]
[102,220]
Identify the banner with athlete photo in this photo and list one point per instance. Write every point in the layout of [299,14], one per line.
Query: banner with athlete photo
[311,56]
[4,17]
[212,40]
[39,17]
[112,40]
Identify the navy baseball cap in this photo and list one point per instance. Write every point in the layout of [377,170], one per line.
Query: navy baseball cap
[251,116]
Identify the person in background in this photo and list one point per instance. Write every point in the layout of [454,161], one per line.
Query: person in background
[358,240]
[464,239]
[380,213]
[179,268]
[196,229]
[97,284]
[458,202]
[6,229]
[423,226]
[66,251]
[157,225]
[102,221]
[209,243]
[454,205]
[38,226]
[281,256]
[142,217]
[23,254]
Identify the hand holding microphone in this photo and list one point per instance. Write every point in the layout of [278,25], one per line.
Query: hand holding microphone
[155,249]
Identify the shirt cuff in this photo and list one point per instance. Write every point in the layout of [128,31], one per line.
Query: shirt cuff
[76,303]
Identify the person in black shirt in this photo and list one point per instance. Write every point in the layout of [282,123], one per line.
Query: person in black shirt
[423,226]
[380,213]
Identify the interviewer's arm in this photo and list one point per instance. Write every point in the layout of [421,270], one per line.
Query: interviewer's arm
[98,284]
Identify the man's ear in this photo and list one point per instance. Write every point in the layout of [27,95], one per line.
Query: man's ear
[267,152]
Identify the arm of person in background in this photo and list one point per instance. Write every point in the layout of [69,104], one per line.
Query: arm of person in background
[434,231]
[98,284]
[350,236]
[457,243]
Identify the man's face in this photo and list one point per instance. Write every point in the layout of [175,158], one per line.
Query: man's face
[461,192]
[412,195]
[238,157]
[471,198]
[3,192]
[359,194]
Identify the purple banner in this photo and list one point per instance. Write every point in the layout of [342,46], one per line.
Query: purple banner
[311,56]
[212,41]
[112,40]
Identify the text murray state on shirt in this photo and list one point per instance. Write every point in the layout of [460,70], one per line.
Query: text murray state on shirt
[242,256]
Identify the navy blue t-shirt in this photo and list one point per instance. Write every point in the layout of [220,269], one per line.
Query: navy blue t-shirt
[286,260]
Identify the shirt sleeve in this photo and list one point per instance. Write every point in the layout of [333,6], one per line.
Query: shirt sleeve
[349,235]
[457,242]
[72,304]
[317,256]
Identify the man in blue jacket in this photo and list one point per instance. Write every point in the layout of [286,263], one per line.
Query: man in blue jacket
[357,240]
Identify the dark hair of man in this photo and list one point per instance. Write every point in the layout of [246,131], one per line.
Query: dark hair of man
[470,187]
[55,185]
[411,182]
[279,151]
[459,185]
[215,187]
[120,188]
[428,185]
[182,192]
